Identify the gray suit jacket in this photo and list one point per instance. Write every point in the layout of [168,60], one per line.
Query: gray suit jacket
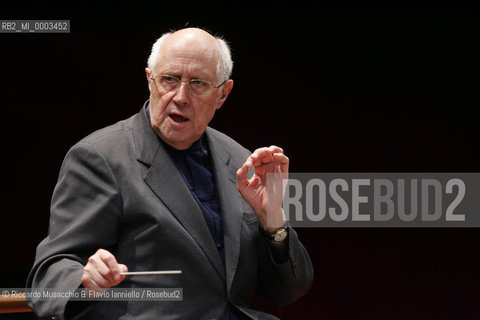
[119,190]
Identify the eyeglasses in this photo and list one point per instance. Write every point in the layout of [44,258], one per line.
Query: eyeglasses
[171,83]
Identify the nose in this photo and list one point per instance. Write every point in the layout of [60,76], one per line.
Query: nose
[181,94]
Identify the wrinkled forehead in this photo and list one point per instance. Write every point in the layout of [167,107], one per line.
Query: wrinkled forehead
[191,49]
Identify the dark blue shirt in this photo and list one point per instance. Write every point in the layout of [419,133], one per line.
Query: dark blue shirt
[195,166]
[196,169]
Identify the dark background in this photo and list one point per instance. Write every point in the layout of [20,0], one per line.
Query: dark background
[341,86]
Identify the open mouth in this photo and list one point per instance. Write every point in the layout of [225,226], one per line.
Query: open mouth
[178,118]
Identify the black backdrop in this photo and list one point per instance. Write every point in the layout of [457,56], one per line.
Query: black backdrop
[342,87]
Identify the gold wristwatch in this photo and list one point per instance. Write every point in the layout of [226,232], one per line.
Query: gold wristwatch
[278,235]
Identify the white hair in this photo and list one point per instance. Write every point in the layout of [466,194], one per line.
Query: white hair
[224,64]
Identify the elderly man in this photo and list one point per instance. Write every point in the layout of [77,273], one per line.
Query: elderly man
[162,191]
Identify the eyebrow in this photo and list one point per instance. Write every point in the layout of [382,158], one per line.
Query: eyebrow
[174,74]
[171,72]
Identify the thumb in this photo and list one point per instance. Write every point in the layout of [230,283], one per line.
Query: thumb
[123,268]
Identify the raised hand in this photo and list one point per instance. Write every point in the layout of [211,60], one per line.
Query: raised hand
[263,191]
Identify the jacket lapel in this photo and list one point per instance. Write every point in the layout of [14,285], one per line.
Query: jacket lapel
[166,182]
[231,204]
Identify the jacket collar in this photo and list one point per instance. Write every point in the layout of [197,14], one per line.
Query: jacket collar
[166,182]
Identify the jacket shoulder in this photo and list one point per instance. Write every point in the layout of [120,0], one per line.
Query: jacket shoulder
[116,131]
[110,142]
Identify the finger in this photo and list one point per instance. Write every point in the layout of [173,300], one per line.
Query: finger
[91,275]
[87,280]
[242,177]
[123,268]
[265,155]
[267,158]
[272,149]
[261,156]
[98,282]
[258,153]
[280,157]
[105,274]
[89,283]
[275,149]
[249,162]
[111,271]
[283,162]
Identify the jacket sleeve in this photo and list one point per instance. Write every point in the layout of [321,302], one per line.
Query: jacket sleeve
[286,282]
[278,283]
[85,210]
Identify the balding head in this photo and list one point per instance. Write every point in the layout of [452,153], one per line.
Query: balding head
[192,37]
[199,40]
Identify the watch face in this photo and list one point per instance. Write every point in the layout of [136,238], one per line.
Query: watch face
[280,235]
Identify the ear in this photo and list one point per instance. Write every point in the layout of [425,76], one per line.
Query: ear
[226,88]
[148,73]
